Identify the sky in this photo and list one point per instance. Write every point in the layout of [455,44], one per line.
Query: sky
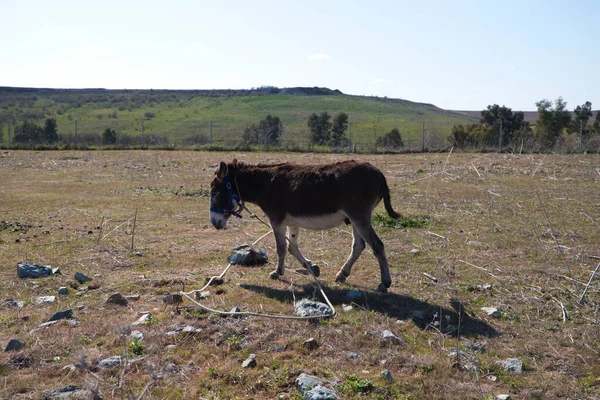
[458,55]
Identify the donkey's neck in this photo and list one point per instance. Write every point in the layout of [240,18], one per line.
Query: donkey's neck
[251,183]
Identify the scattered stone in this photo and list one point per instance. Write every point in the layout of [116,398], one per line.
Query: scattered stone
[63,290]
[133,297]
[201,295]
[250,362]
[310,344]
[44,299]
[82,278]
[248,255]
[27,270]
[347,307]
[13,303]
[352,356]
[143,319]
[235,310]
[110,362]
[280,348]
[136,335]
[312,388]
[512,365]
[388,339]
[464,361]
[138,253]
[503,397]
[492,312]
[13,345]
[354,295]
[183,329]
[62,393]
[67,314]
[387,375]
[484,288]
[305,308]
[118,299]
[414,252]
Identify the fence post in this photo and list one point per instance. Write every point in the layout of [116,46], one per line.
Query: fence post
[500,139]
[580,135]
[423,137]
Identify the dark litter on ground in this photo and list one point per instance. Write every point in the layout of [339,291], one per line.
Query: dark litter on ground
[28,270]
[248,255]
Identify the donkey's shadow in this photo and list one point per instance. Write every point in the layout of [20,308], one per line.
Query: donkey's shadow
[452,320]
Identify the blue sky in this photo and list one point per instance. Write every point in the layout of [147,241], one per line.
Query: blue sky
[461,55]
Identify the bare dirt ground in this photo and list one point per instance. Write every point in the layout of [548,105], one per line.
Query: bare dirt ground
[528,225]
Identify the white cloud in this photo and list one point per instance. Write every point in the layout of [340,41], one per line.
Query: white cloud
[318,57]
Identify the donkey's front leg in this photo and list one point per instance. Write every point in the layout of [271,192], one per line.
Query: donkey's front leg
[279,232]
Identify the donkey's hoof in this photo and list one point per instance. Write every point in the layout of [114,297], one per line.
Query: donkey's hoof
[274,275]
[381,288]
[340,277]
[316,270]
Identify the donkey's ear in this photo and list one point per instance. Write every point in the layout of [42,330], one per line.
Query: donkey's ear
[234,162]
[222,170]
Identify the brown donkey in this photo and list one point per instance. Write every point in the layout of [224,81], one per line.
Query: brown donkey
[316,197]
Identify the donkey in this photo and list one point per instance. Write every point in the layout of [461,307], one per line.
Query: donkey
[316,197]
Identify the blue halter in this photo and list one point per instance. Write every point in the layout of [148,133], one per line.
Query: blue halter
[232,196]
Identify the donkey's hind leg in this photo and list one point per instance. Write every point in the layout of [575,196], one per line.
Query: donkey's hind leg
[358,245]
[293,232]
[366,231]
[279,232]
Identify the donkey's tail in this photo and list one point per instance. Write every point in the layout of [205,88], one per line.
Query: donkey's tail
[388,203]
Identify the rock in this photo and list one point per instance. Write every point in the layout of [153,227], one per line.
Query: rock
[463,360]
[310,344]
[483,288]
[63,290]
[347,308]
[138,253]
[387,375]
[143,319]
[388,339]
[312,388]
[352,356]
[248,255]
[184,329]
[136,335]
[13,345]
[110,362]
[503,397]
[353,295]
[67,314]
[512,365]
[305,308]
[27,270]
[250,362]
[65,392]
[13,303]
[201,295]
[118,299]
[235,310]
[44,299]
[82,278]
[414,252]
[492,312]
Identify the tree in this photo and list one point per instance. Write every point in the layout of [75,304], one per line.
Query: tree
[551,121]
[583,114]
[392,139]
[511,123]
[109,136]
[468,135]
[50,134]
[28,132]
[338,129]
[268,132]
[320,128]
[596,125]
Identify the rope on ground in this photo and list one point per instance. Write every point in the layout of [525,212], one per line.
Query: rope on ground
[256,314]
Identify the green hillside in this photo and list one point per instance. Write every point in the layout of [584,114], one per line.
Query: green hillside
[181,114]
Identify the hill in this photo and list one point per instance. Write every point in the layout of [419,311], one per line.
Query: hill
[182,115]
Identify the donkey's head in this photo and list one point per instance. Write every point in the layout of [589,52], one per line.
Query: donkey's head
[224,200]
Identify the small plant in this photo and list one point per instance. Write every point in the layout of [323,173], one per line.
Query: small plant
[136,347]
[385,221]
[355,385]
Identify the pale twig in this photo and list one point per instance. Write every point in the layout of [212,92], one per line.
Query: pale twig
[481,268]
[433,278]
[588,284]
[436,235]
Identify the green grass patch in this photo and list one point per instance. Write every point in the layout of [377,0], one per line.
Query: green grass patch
[385,221]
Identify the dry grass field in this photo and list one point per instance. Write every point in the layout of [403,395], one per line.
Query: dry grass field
[528,225]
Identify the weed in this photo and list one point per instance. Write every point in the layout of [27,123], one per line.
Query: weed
[136,347]
[355,385]
[385,221]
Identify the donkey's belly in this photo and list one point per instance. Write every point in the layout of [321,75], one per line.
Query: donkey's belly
[315,222]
